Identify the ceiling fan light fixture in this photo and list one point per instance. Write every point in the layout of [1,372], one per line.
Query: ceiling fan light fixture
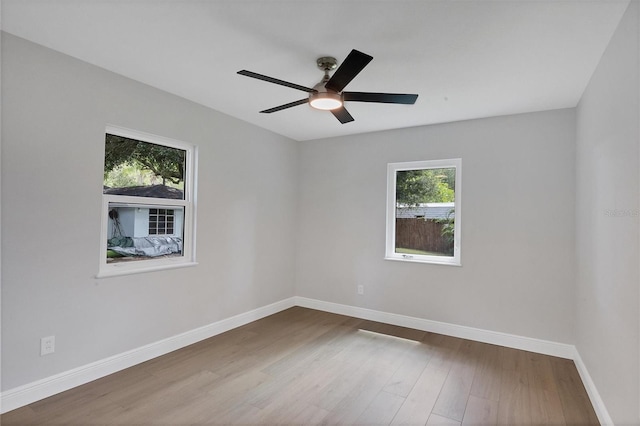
[325,101]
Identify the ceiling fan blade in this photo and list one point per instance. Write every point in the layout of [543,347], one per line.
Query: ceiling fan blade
[342,114]
[275,81]
[352,65]
[285,106]
[387,98]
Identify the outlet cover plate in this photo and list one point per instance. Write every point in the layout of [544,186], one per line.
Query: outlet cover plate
[47,345]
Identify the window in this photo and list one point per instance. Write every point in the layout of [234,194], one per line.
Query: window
[423,211]
[161,221]
[148,209]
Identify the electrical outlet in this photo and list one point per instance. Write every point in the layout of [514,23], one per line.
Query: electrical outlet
[47,345]
[360,289]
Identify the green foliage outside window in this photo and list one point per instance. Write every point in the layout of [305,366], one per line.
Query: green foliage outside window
[414,187]
[130,162]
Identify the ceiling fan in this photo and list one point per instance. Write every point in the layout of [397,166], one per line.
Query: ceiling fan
[328,94]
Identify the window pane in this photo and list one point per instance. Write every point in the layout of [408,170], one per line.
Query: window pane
[143,169]
[132,235]
[425,212]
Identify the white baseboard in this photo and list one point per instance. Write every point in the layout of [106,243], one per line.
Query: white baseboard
[592,391]
[546,347]
[40,389]
[31,392]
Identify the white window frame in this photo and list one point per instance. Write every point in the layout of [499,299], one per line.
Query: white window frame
[392,169]
[188,257]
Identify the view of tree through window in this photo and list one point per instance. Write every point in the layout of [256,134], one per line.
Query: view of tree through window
[130,163]
[414,187]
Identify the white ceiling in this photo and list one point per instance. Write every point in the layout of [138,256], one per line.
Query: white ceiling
[466,59]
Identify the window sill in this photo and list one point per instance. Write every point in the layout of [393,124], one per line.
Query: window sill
[446,262]
[116,270]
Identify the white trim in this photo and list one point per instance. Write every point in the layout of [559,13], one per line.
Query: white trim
[161,266]
[433,260]
[143,202]
[35,391]
[561,350]
[592,391]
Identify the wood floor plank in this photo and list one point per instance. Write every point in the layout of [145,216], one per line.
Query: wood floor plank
[546,406]
[486,381]
[320,379]
[284,410]
[302,366]
[20,416]
[381,410]
[513,359]
[161,402]
[132,392]
[216,403]
[452,400]
[412,364]
[442,349]
[420,401]
[237,387]
[364,345]
[453,397]
[324,345]
[341,385]
[361,396]
[237,414]
[514,404]
[436,420]
[480,412]
[309,414]
[91,414]
[303,384]
[310,380]
[576,406]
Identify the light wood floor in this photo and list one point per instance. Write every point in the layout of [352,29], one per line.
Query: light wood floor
[302,366]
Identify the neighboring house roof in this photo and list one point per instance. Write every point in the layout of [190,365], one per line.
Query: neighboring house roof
[426,211]
[153,191]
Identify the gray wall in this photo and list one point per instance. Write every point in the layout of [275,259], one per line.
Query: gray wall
[55,109]
[608,314]
[517,224]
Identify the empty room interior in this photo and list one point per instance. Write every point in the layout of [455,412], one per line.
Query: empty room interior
[320,212]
